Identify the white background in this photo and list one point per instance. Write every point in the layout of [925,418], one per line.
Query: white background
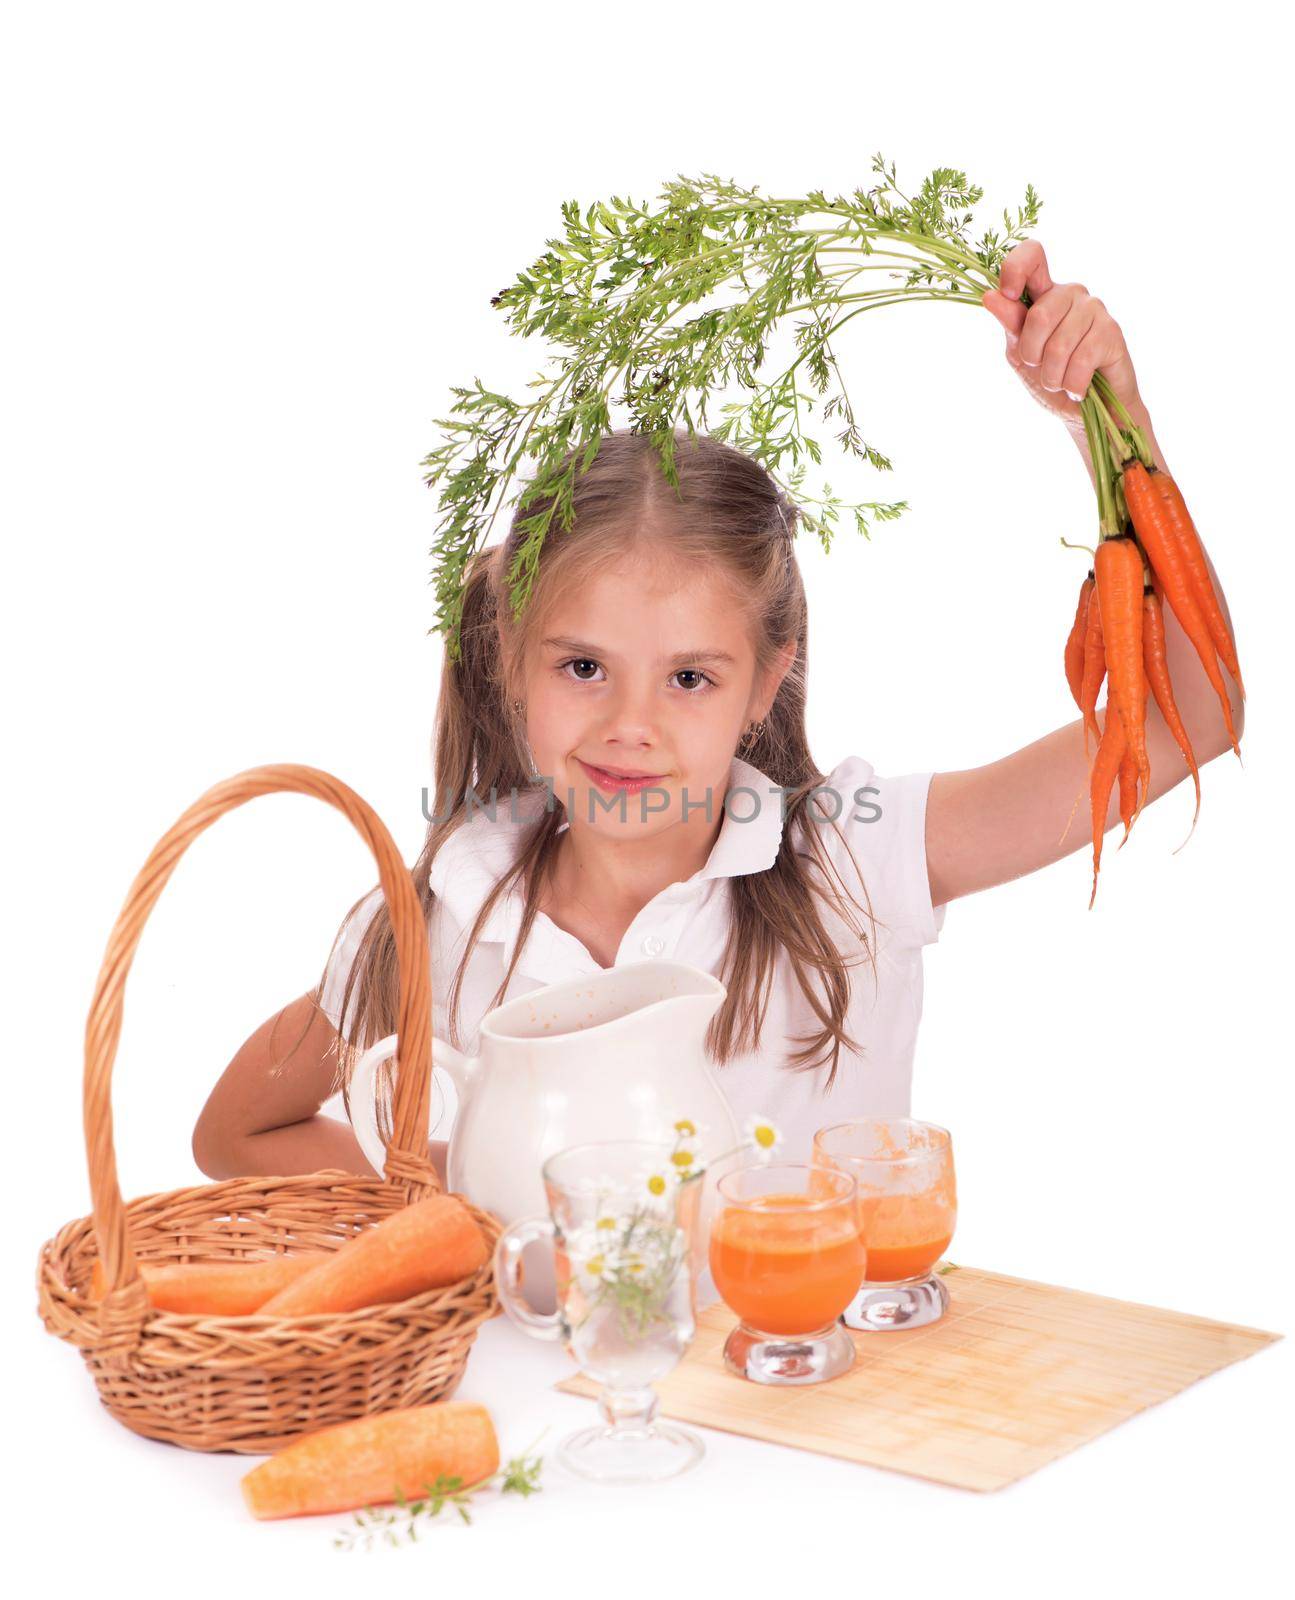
[249,249]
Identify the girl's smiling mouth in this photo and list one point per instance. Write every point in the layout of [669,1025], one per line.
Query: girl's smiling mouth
[631,783]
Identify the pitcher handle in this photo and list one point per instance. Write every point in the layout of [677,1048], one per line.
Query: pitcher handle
[508,1277]
[362,1097]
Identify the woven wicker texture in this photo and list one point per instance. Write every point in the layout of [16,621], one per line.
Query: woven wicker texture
[252,1383]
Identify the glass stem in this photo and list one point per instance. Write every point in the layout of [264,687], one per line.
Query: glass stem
[628,1413]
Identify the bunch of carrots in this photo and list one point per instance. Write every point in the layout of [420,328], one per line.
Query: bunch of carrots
[1148,552]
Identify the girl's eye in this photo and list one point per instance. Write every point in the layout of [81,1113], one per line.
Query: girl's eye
[700,682]
[697,673]
[580,661]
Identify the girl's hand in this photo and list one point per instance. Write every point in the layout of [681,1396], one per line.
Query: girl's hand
[1065,335]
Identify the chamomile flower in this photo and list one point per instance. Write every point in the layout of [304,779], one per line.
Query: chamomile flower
[763,1135]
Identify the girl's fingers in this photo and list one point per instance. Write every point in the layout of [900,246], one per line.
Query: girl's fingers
[1085,359]
[1010,314]
[1025,267]
[1065,339]
[1043,319]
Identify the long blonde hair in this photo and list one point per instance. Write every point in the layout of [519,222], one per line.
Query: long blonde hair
[729,514]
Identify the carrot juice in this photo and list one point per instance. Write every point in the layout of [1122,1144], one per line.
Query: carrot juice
[904,1235]
[785,1264]
[890,1263]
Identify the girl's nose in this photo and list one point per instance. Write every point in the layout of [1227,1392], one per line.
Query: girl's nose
[631,720]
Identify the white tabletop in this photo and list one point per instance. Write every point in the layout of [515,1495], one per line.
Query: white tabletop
[1197,1484]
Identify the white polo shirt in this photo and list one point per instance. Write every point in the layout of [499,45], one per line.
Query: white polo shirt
[884,822]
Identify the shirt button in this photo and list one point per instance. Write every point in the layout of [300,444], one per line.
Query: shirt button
[652,945]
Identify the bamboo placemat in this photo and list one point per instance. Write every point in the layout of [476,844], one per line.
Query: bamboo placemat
[1014,1375]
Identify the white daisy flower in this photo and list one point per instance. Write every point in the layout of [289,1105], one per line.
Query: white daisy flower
[763,1135]
[688,1128]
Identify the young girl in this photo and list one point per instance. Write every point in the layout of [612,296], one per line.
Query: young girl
[640,731]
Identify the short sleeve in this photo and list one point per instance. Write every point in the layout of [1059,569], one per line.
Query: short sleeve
[336,972]
[884,823]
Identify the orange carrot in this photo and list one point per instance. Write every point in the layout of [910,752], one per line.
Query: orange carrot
[1075,643]
[1128,789]
[1150,518]
[1198,572]
[1105,766]
[1157,669]
[1094,671]
[375,1460]
[1119,592]
[424,1246]
[214,1288]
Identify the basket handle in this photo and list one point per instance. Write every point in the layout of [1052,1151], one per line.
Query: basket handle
[123,1313]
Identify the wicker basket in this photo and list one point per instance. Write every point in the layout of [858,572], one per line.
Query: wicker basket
[252,1383]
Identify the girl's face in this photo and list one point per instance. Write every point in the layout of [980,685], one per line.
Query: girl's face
[646,669]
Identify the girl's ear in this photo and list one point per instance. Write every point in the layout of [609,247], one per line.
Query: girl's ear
[782,666]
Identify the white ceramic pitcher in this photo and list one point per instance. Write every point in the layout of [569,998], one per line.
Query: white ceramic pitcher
[618,1054]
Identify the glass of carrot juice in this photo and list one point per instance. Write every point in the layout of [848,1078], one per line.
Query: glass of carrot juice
[786,1256]
[907,1210]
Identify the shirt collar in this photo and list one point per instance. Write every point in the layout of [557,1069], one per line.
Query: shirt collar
[478,853]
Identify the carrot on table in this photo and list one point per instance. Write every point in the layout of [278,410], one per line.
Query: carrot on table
[234,1288]
[375,1460]
[423,1246]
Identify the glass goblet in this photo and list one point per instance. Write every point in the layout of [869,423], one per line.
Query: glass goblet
[621,1226]
[785,1256]
[907,1212]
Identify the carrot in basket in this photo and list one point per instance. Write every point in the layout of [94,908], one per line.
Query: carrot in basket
[1076,640]
[1157,670]
[1198,572]
[1094,670]
[424,1246]
[1105,766]
[214,1288]
[1119,593]
[374,1460]
[1151,519]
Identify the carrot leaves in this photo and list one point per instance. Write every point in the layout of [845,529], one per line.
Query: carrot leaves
[668,309]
